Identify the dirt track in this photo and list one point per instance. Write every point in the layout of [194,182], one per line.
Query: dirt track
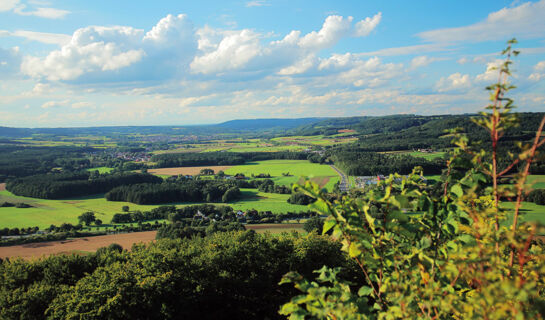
[32,250]
[186,170]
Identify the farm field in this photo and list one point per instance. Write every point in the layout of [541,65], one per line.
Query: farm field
[48,212]
[261,201]
[428,155]
[322,174]
[87,244]
[185,170]
[101,170]
[536,181]
[529,211]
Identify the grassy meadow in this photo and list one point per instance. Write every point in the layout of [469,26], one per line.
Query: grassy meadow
[322,174]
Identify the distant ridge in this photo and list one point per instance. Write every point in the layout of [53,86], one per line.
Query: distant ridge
[261,124]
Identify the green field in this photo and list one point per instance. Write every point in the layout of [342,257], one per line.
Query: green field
[536,181]
[261,201]
[48,212]
[101,170]
[529,211]
[296,168]
[427,155]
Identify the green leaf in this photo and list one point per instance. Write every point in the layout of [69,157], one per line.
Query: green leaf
[365,291]
[328,224]
[354,250]
[457,190]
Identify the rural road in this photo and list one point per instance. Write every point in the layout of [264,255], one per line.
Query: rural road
[343,186]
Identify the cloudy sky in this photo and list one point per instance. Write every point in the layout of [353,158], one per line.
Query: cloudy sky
[89,63]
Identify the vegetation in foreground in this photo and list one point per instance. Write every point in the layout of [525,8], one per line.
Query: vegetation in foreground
[457,259]
[223,276]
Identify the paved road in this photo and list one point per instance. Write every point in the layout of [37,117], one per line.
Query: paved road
[343,186]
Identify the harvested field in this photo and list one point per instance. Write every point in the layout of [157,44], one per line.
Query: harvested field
[90,244]
[2,186]
[186,170]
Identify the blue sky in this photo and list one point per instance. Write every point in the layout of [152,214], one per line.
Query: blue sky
[76,63]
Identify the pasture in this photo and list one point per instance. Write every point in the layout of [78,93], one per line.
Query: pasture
[185,170]
[296,168]
[101,170]
[47,212]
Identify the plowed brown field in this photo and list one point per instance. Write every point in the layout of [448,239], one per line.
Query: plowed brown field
[38,249]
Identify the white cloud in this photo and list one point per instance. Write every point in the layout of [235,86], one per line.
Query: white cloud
[300,66]
[333,29]
[523,21]
[455,81]
[422,61]
[49,38]
[257,3]
[101,52]
[55,104]
[539,72]
[243,51]
[491,74]
[233,52]
[48,13]
[364,27]
[81,105]
[407,50]
[7,5]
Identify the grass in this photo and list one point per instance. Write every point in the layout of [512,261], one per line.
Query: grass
[427,156]
[529,211]
[296,169]
[261,201]
[101,170]
[48,212]
[536,181]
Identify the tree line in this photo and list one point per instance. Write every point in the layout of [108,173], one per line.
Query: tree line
[357,162]
[166,160]
[182,191]
[66,185]
[21,161]
[232,275]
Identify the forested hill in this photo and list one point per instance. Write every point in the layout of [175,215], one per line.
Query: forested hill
[414,125]
[402,127]
[261,124]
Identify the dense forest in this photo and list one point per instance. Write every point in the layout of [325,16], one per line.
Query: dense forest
[20,161]
[222,276]
[67,185]
[221,158]
[184,191]
[357,162]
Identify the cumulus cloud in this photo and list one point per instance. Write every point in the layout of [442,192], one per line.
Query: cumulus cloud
[97,51]
[455,81]
[523,21]
[243,49]
[7,5]
[491,73]
[539,72]
[364,27]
